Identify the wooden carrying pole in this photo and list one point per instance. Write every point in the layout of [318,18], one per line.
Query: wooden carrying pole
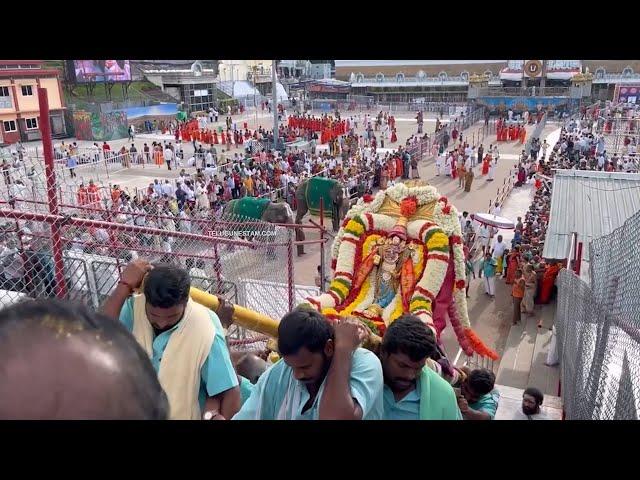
[242,317]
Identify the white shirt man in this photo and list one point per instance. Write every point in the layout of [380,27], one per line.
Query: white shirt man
[463,220]
[168,155]
[167,189]
[439,163]
[211,170]
[189,192]
[498,248]
[485,233]
[284,180]
[468,151]
[139,218]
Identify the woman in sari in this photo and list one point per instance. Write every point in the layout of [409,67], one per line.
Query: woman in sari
[461,174]
[513,264]
[468,180]
[548,281]
[158,156]
[485,164]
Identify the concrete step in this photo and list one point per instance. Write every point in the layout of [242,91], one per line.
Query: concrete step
[542,376]
[515,364]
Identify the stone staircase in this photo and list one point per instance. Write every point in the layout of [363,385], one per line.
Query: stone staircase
[522,363]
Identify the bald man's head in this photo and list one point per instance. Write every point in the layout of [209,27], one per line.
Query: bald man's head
[60,360]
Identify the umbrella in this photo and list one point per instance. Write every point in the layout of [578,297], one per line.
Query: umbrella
[493,221]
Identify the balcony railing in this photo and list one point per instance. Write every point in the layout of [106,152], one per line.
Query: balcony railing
[259,77]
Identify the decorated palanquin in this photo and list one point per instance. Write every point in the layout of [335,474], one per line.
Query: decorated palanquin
[401,252]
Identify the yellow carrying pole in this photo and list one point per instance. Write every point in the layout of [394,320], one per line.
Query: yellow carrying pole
[258,322]
[242,317]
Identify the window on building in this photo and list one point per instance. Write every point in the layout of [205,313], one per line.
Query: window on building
[4,91]
[32,123]
[9,126]
[27,90]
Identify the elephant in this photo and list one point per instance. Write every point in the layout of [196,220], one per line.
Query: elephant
[335,206]
[259,209]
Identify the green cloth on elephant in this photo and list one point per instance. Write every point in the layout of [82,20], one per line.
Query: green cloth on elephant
[181,116]
[318,187]
[437,398]
[249,207]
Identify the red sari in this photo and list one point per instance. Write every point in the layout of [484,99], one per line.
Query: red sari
[399,167]
[485,164]
[394,137]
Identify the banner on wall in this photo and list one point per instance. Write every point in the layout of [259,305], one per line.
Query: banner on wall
[520,104]
[102,127]
[627,93]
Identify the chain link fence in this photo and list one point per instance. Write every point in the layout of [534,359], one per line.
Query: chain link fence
[598,329]
[56,242]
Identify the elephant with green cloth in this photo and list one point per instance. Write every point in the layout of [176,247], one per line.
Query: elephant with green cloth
[308,195]
[259,209]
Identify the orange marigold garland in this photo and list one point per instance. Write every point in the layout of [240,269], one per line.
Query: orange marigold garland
[479,346]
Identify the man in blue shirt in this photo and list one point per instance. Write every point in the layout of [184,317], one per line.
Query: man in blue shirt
[169,310]
[412,390]
[323,374]
[478,399]
[488,268]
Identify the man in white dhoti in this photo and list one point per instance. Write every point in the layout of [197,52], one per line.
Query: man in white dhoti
[439,162]
[492,169]
[448,166]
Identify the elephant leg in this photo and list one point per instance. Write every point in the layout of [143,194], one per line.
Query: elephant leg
[300,237]
[335,217]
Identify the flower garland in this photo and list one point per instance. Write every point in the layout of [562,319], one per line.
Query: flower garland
[441,242]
